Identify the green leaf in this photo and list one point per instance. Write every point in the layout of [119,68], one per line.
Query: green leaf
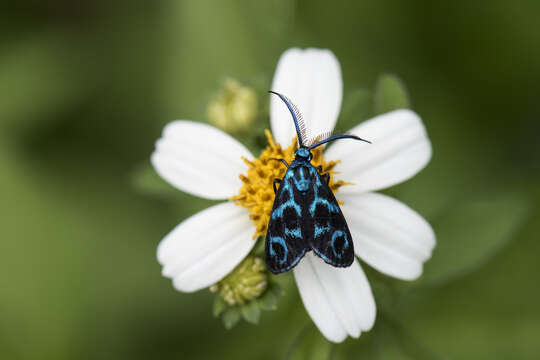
[390,94]
[251,312]
[219,305]
[268,301]
[471,234]
[230,317]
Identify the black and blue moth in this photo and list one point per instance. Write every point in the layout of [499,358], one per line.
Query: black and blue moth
[305,215]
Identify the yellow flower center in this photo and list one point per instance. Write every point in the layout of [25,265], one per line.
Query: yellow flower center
[257,192]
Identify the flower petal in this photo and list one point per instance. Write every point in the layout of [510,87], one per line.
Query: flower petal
[388,235]
[200,159]
[204,248]
[339,300]
[311,78]
[400,148]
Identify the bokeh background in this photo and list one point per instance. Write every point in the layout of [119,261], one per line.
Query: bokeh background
[87,86]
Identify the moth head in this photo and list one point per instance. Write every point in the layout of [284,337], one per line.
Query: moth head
[303,153]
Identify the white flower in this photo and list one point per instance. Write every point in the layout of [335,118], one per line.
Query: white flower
[389,236]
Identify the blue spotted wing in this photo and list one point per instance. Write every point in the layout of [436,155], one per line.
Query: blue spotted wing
[286,241]
[306,216]
[331,239]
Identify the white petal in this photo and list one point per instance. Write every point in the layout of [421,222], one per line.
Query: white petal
[205,247]
[400,148]
[200,159]
[311,78]
[388,235]
[339,300]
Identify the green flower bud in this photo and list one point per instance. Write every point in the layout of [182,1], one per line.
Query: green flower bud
[245,283]
[234,108]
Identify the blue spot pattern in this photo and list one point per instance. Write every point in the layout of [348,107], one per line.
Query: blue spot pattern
[290,203]
[336,235]
[281,242]
[320,230]
[332,206]
[306,216]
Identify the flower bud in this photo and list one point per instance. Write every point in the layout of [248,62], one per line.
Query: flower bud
[245,283]
[234,108]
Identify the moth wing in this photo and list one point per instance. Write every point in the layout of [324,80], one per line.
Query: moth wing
[285,241]
[332,239]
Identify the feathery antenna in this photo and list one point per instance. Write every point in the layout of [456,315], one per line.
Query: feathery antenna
[301,127]
[337,137]
[313,140]
[297,117]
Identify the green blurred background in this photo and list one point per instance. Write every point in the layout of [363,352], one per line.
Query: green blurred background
[86,87]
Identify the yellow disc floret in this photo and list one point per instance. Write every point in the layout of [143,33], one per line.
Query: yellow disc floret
[257,193]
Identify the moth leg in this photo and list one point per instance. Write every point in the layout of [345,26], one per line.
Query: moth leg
[276,181]
[326,178]
[319,168]
[282,161]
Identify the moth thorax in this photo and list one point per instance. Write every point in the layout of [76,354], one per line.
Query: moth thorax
[302,179]
[303,154]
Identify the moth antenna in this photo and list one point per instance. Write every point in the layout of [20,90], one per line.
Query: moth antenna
[337,137]
[297,117]
[320,137]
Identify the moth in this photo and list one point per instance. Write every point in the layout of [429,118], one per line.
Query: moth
[305,215]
